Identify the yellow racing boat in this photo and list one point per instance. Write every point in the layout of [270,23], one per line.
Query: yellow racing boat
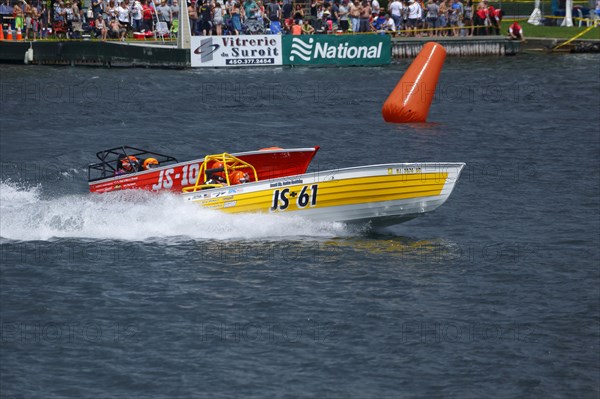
[382,194]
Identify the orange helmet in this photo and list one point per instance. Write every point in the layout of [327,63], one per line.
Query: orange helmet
[218,165]
[129,162]
[238,177]
[150,163]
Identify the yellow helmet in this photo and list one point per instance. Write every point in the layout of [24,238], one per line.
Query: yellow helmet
[150,163]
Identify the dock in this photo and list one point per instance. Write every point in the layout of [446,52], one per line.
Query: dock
[167,55]
[404,47]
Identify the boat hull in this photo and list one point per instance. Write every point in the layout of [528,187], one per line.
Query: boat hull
[270,164]
[383,194]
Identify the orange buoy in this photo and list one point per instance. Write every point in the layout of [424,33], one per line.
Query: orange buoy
[411,98]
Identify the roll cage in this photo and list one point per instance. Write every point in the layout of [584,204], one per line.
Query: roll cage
[110,161]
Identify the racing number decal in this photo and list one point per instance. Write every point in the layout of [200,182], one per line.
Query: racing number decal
[306,196]
[280,199]
[191,177]
[188,175]
[164,180]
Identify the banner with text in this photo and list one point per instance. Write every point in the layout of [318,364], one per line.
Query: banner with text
[244,50]
[341,50]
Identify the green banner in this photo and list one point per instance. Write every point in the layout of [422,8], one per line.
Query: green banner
[336,50]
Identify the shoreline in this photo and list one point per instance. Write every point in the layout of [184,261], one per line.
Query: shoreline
[155,54]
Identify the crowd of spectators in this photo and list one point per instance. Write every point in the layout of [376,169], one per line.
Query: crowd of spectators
[103,19]
[407,18]
[118,19]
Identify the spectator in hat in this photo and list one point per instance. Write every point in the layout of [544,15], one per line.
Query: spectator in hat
[515,32]
[390,25]
[100,27]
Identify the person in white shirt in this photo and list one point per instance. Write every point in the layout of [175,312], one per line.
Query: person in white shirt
[414,15]
[375,7]
[123,14]
[390,25]
[136,16]
[395,9]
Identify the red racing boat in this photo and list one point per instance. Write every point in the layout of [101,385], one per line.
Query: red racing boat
[126,167]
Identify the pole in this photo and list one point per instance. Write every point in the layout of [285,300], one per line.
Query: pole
[183,37]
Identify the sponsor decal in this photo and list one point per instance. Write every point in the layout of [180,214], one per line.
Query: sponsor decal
[197,196]
[206,50]
[337,50]
[229,204]
[312,49]
[243,50]
[286,183]
[218,194]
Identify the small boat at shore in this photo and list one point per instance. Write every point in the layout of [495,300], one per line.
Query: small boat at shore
[383,194]
[127,167]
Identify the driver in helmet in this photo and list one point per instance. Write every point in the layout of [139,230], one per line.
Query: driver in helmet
[129,164]
[239,177]
[217,176]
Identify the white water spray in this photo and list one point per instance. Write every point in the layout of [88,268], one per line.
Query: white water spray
[137,215]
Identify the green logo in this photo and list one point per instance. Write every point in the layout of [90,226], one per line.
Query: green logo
[336,50]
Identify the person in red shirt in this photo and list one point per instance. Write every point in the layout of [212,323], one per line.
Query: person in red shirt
[147,12]
[493,15]
[515,32]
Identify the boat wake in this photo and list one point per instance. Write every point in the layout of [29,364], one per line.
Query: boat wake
[27,215]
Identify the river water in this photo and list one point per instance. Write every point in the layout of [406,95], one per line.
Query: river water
[135,295]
